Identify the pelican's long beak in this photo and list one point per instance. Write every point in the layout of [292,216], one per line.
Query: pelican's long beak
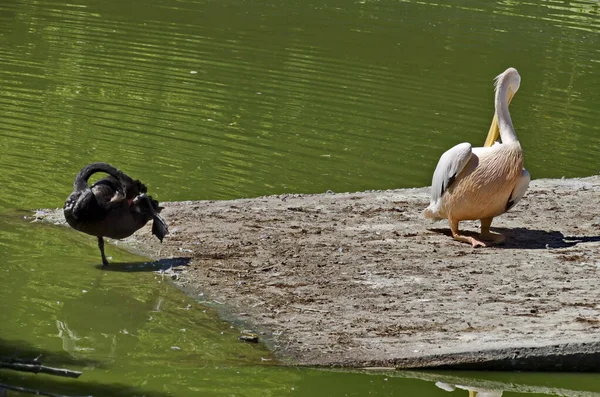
[494,132]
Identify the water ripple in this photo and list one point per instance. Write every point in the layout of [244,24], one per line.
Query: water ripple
[269,102]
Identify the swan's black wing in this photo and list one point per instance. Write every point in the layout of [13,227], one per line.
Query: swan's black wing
[93,202]
[140,187]
[79,205]
[108,190]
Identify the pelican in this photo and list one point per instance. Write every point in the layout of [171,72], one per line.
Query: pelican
[483,182]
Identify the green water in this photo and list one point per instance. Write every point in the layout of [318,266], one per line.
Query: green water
[230,98]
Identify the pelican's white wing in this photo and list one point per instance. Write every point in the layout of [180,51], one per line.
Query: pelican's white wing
[450,165]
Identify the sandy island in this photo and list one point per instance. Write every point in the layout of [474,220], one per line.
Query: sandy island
[362,280]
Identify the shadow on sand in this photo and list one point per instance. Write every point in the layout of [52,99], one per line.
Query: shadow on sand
[530,239]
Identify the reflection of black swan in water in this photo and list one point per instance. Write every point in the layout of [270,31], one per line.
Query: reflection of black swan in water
[114,207]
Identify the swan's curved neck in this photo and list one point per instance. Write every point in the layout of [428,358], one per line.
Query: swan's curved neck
[80,182]
[507,130]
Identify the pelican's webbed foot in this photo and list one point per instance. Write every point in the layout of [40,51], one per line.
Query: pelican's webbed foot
[471,240]
[485,239]
[491,238]
[475,242]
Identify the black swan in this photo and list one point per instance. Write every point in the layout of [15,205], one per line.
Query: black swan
[114,207]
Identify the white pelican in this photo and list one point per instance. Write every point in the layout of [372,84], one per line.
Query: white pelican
[483,182]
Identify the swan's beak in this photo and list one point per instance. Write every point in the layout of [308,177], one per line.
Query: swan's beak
[494,132]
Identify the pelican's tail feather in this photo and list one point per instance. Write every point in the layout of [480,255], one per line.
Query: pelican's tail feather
[432,213]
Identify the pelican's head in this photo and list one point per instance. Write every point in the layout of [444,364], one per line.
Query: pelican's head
[508,81]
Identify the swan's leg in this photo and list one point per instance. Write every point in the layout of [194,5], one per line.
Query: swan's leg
[101,246]
[491,238]
[465,239]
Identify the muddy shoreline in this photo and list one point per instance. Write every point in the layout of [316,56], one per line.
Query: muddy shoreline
[362,280]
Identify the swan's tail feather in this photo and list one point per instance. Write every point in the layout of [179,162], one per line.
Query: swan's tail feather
[159,227]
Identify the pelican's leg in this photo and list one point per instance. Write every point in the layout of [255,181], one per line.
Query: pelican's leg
[492,238]
[465,239]
[101,246]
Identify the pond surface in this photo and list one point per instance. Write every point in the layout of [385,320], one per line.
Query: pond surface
[230,98]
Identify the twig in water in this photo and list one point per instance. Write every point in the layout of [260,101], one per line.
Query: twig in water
[30,391]
[37,368]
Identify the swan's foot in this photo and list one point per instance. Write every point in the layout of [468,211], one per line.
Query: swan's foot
[101,246]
